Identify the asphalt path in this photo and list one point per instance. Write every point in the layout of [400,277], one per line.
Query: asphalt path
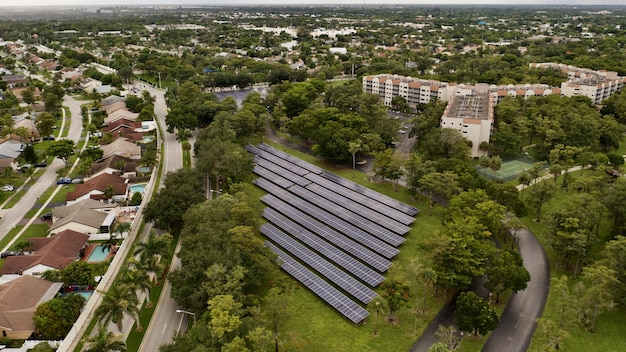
[518,321]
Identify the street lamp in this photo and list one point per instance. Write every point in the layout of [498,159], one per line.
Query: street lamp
[186,312]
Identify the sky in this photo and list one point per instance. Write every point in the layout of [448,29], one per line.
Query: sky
[30,3]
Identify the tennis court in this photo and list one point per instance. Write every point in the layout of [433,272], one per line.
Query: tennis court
[510,170]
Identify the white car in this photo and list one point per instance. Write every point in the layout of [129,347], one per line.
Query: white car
[8,188]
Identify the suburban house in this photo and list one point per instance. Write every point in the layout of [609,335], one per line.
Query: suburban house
[115,106]
[19,299]
[120,114]
[18,93]
[85,217]
[96,188]
[15,80]
[122,147]
[47,253]
[29,124]
[112,99]
[88,84]
[111,165]
[122,123]
[10,150]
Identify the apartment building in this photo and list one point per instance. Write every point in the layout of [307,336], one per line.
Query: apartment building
[470,112]
[414,90]
[596,85]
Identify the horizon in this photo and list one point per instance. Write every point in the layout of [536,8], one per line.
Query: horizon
[112,3]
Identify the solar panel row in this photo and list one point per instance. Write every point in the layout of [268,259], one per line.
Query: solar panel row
[267,174]
[356,249]
[350,217]
[321,265]
[344,202]
[359,198]
[342,226]
[341,258]
[323,289]
[282,163]
[394,203]
[297,179]
[279,153]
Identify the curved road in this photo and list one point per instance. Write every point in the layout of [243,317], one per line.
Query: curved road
[518,321]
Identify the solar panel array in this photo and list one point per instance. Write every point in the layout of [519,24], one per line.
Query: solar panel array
[334,236]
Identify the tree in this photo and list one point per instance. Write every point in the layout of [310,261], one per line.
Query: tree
[474,314]
[76,273]
[42,347]
[449,337]
[54,318]
[444,184]
[118,301]
[355,147]
[495,164]
[154,246]
[166,209]
[62,149]
[615,258]
[45,122]
[397,295]
[104,341]
[540,193]
[598,294]
[377,305]
[138,280]
[506,271]
[428,278]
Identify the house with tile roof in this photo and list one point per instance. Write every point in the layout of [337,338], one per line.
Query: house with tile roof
[19,299]
[122,147]
[112,99]
[95,188]
[118,105]
[120,114]
[83,217]
[109,166]
[47,253]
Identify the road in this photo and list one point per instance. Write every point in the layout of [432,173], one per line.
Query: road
[10,217]
[165,321]
[518,321]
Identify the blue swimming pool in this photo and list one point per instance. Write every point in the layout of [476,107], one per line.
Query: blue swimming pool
[85,294]
[98,254]
[140,187]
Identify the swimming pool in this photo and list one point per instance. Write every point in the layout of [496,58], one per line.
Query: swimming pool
[147,139]
[85,294]
[98,254]
[140,187]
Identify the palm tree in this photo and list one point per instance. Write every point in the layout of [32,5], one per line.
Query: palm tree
[138,279]
[428,277]
[104,341]
[119,300]
[121,227]
[154,246]
[150,265]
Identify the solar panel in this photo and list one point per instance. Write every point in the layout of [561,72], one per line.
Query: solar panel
[359,198]
[344,202]
[268,186]
[340,225]
[267,174]
[252,149]
[339,257]
[282,162]
[366,255]
[352,218]
[286,173]
[319,264]
[324,290]
[279,153]
[394,203]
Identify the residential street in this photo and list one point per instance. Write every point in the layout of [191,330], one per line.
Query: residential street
[10,217]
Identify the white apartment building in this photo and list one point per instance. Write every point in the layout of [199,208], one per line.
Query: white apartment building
[596,85]
[471,113]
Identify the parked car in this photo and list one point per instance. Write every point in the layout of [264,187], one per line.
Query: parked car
[48,138]
[7,254]
[77,180]
[8,188]
[41,164]
[64,181]
[46,216]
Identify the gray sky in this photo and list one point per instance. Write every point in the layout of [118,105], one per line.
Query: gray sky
[300,2]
